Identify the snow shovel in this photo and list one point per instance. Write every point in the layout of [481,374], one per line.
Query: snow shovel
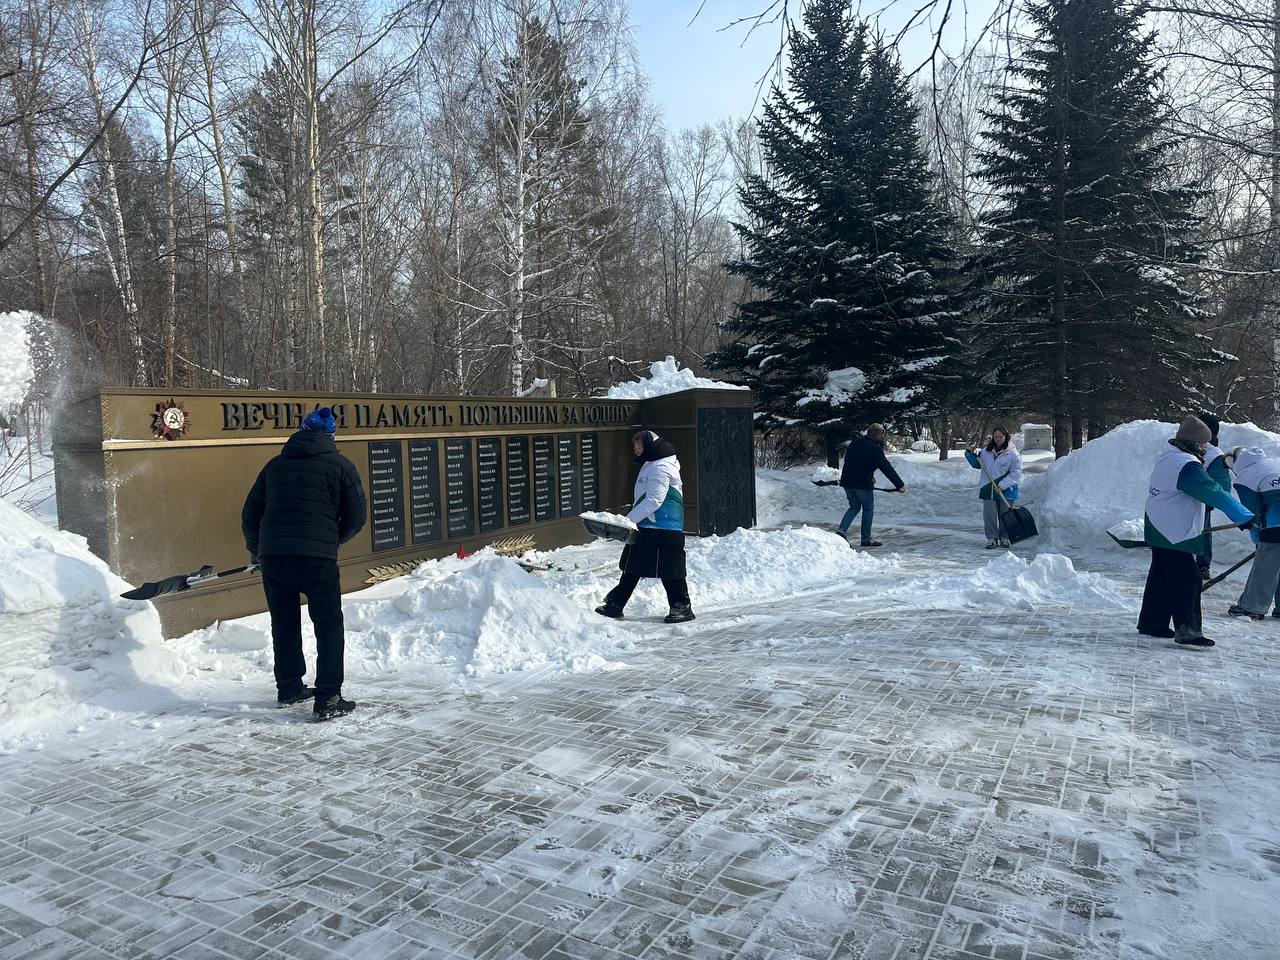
[184,581]
[1018,522]
[610,531]
[1228,572]
[1128,544]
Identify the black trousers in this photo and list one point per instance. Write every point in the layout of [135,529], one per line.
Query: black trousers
[1172,593]
[285,578]
[677,591]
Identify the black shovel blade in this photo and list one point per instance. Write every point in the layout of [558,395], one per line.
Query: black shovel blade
[180,581]
[1127,544]
[149,591]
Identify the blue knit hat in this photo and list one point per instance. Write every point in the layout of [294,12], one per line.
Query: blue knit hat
[321,420]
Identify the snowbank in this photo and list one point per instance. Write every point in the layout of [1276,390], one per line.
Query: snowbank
[745,567]
[1105,481]
[452,617]
[66,639]
[664,378]
[1011,583]
[15,357]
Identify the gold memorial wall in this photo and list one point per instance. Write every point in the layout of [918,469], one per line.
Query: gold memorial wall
[156,481]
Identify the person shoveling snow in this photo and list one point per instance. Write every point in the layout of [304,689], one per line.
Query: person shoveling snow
[1258,487]
[1174,528]
[658,550]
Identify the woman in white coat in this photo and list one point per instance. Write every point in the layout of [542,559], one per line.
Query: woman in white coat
[1002,465]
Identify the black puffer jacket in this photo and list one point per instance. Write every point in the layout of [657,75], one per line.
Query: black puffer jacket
[864,457]
[307,501]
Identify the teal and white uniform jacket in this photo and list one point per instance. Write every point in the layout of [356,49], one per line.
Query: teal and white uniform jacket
[659,496]
[1215,464]
[1178,488]
[1258,487]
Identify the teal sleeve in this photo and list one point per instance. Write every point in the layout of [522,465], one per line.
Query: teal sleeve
[973,460]
[1195,482]
[1220,474]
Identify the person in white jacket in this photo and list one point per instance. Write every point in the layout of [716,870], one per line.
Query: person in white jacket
[658,513]
[1001,464]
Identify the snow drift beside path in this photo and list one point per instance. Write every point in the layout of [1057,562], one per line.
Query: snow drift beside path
[1011,583]
[476,616]
[745,567]
[1105,481]
[65,638]
[665,377]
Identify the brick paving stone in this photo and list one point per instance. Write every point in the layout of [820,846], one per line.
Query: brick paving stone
[798,781]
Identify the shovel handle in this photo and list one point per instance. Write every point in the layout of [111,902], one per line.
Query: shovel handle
[1222,576]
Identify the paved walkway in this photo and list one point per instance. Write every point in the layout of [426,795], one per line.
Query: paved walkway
[798,782]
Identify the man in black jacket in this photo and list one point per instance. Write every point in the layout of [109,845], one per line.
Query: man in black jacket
[861,461]
[305,504]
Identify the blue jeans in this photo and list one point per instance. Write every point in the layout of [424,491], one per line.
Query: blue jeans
[859,500]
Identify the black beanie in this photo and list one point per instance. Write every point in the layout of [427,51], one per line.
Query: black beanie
[1213,423]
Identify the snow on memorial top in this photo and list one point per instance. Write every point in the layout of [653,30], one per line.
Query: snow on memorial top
[665,377]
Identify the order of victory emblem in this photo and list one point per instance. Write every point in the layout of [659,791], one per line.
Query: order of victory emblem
[170,421]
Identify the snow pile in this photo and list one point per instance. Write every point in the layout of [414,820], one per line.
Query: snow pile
[476,616]
[665,377]
[604,516]
[743,568]
[1011,583]
[841,387]
[1105,481]
[924,446]
[825,474]
[65,638]
[924,471]
[16,372]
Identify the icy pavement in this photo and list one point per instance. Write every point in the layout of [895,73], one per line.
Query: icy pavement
[831,777]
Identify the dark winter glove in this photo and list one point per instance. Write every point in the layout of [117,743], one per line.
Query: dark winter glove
[1255,535]
[1248,523]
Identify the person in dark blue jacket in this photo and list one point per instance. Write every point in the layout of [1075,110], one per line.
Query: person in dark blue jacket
[861,461]
[305,504]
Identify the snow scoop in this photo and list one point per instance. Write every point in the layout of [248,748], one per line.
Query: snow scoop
[1133,544]
[184,581]
[610,531]
[1226,573]
[1018,522]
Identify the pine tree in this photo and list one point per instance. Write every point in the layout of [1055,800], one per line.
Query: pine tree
[1084,308]
[843,243]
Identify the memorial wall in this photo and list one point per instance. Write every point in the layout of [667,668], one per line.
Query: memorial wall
[155,481]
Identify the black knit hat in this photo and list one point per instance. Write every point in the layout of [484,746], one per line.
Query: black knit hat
[1213,423]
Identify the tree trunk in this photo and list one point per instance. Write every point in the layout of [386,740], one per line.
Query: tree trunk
[170,227]
[122,271]
[832,443]
[241,308]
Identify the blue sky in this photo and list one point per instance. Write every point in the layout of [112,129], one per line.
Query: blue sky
[699,73]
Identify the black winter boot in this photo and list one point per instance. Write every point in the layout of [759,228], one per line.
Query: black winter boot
[1235,610]
[287,698]
[1195,642]
[327,708]
[607,609]
[679,614]
[871,543]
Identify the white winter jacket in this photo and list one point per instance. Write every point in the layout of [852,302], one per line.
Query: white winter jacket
[659,496]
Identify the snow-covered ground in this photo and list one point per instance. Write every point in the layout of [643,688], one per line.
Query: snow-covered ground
[969,660]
